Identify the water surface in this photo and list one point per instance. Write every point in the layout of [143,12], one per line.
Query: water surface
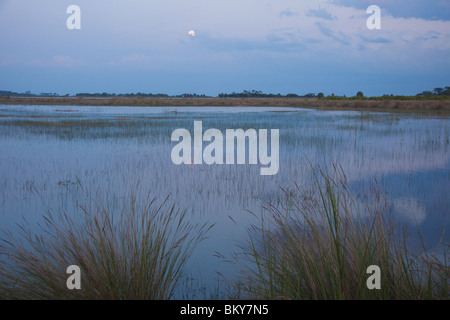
[44,150]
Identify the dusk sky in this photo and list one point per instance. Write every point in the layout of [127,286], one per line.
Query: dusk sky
[282,46]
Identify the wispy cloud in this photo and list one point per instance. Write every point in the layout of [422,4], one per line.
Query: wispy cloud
[272,42]
[427,10]
[321,13]
[375,39]
[288,13]
[338,36]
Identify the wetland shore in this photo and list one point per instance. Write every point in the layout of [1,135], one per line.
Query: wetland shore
[409,105]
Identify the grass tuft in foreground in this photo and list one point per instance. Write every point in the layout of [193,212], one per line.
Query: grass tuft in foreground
[139,252]
[320,245]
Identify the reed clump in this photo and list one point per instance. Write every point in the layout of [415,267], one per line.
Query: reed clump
[319,246]
[138,252]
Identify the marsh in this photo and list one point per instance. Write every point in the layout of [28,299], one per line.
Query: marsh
[116,151]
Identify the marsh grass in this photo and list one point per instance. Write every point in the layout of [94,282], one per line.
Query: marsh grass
[428,105]
[319,246]
[138,252]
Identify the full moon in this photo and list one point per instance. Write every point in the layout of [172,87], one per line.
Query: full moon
[192,33]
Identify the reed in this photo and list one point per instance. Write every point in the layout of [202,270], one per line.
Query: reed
[138,252]
[319,247]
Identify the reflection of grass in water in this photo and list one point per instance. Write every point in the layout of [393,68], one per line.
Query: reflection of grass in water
[136,252]
[379,124]
[385,118]
[322,245]
[41,116]
[91,128]
[159,127]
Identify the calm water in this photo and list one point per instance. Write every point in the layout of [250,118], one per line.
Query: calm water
[45,149]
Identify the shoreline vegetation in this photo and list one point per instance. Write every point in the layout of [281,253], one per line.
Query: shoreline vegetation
[137,251]
[318,246]
[434,105]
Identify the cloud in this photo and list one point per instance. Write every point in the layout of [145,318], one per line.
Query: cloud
[375,39]
[340,36]
[431,35]
[320,13]
[422,9]
[274,38]
[288,13]
[410,209]
[272,42]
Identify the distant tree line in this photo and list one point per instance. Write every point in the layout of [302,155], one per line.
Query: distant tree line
[111,95]
[437,93]
[140,95]
[190,95]
[260,94]
[11,93]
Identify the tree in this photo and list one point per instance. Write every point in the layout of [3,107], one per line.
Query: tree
[438,91]
[426,93]
[446,91]
[320,95]
[360,94]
